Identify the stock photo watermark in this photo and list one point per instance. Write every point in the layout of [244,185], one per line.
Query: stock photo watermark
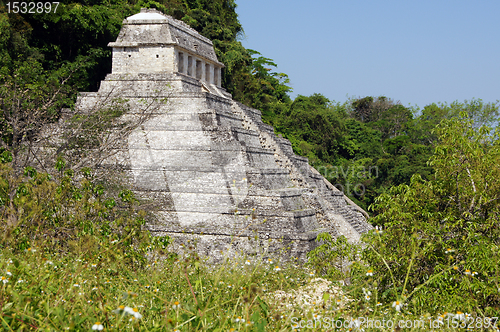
[448,321]
[32,7]
[353,176]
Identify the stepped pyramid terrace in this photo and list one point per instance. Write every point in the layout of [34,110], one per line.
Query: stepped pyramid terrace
[216,174]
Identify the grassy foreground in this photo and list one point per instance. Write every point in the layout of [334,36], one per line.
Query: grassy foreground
[49,293]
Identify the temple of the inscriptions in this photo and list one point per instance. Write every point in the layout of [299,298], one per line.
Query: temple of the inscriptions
[210,170]
[151,42]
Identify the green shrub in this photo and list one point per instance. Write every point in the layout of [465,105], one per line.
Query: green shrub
[439,250]
[71,212]
[332,257]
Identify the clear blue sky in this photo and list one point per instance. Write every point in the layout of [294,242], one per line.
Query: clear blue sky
[417,52]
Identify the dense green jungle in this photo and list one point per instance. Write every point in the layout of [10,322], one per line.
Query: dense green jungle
[429,177]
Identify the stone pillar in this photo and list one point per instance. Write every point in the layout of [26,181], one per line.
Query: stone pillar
[193,67]
[203,64]
[210,78]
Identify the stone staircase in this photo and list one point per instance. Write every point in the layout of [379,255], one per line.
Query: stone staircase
[303,175]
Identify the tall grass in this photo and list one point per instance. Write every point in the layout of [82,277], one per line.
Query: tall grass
[47,292]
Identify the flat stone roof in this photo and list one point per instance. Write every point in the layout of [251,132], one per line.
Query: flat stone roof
[146,14]
[151,27]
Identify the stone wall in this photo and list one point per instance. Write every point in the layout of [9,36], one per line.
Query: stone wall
[148,59]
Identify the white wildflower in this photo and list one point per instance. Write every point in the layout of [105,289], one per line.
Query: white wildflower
[397,305]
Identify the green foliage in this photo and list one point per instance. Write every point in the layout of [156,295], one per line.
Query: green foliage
[314,127]
[382,114]
[31,98]
[70,213]
[332,257]
[441,238]
[377,143]
[361,157]
[436,246]
[481,113]
[251,81]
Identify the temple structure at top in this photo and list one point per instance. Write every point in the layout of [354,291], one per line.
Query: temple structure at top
[151,42]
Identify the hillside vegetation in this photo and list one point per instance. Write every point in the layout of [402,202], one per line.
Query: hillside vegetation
[75,254]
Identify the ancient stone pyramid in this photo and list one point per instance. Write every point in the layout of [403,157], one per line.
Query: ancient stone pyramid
[217,174]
